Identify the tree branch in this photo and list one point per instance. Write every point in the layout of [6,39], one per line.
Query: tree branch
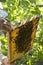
[5,25]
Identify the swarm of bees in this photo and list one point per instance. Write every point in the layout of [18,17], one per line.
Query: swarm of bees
[20,36]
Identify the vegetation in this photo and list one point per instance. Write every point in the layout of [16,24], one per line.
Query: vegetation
[19,10]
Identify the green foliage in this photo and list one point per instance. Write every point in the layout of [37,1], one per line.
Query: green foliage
[2,0]
[23,9]
[4,48]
